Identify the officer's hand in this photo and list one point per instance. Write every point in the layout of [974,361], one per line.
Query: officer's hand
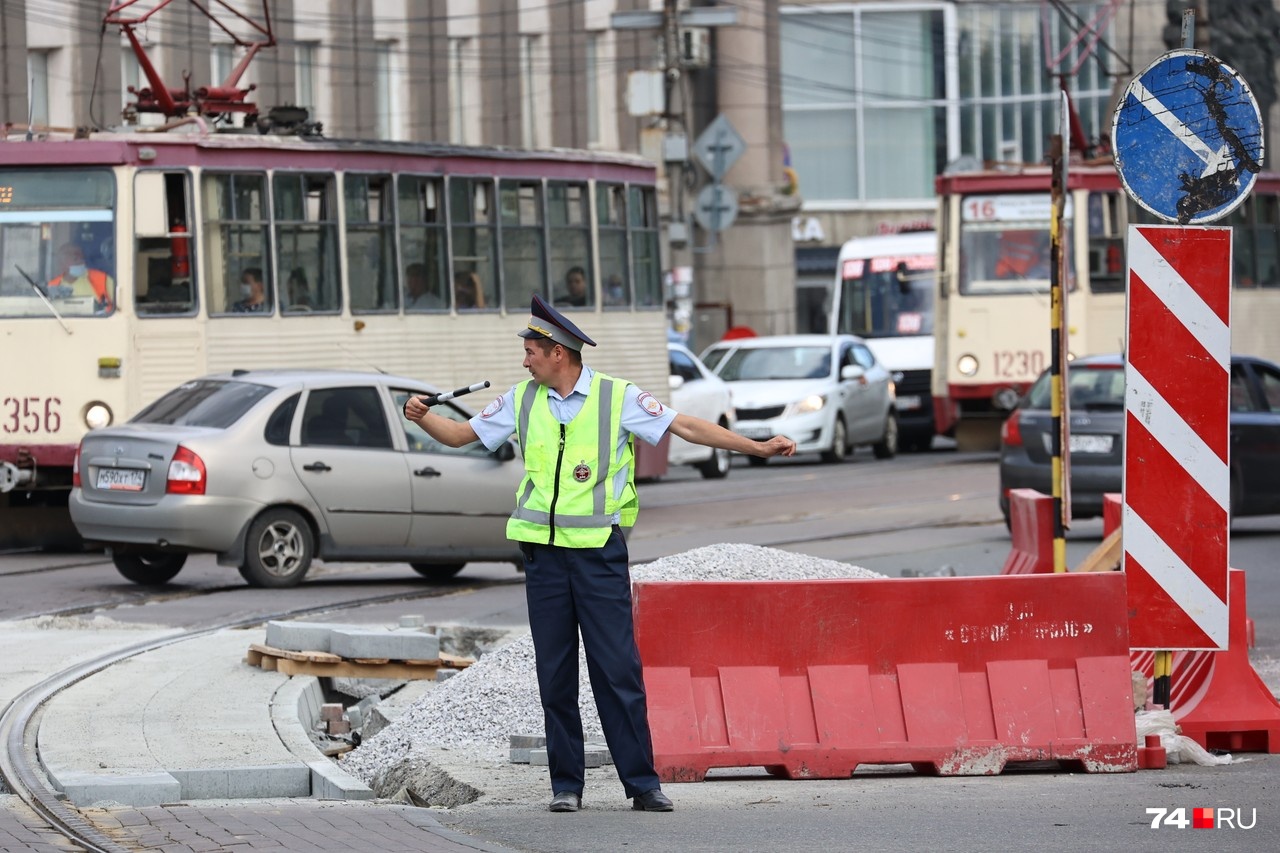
[414,408]
[779,445]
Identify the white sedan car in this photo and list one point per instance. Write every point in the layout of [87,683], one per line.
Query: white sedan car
[828,393]
[695,390]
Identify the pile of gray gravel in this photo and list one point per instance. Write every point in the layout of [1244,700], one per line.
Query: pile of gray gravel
[479,709]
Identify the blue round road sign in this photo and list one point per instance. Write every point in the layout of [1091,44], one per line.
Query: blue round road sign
[1188,138]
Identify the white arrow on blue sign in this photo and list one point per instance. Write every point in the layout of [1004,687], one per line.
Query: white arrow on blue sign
[1188,138]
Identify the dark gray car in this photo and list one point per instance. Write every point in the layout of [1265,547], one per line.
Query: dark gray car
[1095,386]
[270,469]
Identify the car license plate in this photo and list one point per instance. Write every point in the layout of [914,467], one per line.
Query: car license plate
[757,433]
[1090,444]
[908,403]
[122,479]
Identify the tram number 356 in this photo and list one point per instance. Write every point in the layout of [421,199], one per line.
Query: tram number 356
[1019,364]
[30,414]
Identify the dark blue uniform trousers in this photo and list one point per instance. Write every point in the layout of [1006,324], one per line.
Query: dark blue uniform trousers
[589,589]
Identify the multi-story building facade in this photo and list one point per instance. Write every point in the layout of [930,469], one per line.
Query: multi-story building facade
[847,110]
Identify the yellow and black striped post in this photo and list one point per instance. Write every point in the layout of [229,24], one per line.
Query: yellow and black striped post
[1057,318]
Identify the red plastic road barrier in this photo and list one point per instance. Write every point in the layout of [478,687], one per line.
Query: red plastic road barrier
[1217,698]
[955,676]
[1031,531]
[1112,510]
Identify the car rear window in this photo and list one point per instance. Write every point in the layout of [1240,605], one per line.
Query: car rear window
[1089,388]
[204,403]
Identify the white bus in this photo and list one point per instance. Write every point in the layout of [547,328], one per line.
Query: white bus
[363,249]
[884,293]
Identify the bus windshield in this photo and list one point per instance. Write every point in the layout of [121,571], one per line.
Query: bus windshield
[890,296]
[57,244]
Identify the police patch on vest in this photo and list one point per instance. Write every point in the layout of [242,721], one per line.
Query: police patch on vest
[492,409]
[582,472]
[649,403]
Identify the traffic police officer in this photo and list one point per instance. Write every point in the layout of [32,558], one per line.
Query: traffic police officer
[576,428]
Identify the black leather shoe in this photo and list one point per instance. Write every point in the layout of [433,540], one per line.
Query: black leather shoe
[565,801]
[652,801]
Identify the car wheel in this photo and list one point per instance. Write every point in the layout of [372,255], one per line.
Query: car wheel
[278,549]
[887,447]
[717,467]
[839,450]
[437,571]
[149,569]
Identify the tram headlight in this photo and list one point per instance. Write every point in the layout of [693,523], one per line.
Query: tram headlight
[967,365]
[97,415]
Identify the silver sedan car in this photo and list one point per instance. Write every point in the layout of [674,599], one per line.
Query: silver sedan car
[272,469]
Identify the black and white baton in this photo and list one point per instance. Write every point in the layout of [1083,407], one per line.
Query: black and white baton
[430,400]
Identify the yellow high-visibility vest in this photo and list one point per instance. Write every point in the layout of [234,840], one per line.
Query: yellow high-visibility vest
[566,497]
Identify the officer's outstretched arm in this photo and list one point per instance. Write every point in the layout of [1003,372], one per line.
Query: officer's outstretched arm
[448,432]
[699,431]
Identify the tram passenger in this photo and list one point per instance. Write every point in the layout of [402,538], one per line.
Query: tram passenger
[467,291]
[83,280]
[575,283]
[569,527]
[417,297]
[253,293]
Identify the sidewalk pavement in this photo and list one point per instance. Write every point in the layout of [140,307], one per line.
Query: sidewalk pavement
[188,748]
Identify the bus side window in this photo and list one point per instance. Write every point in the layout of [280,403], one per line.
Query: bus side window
[163,275]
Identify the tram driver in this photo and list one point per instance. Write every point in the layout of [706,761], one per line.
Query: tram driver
[77,279]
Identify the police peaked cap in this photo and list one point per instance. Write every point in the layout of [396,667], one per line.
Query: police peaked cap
[547,322]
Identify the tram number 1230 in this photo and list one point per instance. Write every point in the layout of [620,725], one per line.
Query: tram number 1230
[1019,364]
[30,414]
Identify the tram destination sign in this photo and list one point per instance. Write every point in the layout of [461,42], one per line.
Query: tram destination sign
[1188,138]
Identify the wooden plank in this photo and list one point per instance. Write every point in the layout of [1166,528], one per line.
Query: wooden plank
[1106,557]
[351,669]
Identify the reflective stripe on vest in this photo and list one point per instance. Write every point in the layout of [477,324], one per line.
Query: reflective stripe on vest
[552,505]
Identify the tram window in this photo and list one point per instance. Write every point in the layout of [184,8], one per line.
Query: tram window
[162,268]
[306,241]
[642,209]
[611,224]
[570,231]
[471,212]
[422,245]
[235,244]
[523,270]
[371,242]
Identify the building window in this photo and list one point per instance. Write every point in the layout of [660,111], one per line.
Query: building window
[865,111]
[371,241]
[306,229]
[306,53]
[38,86]
[386,92]
[863,101]
[464,92]
[1008,100]
[222,61]
[523,270]
[535,92]
[593,78]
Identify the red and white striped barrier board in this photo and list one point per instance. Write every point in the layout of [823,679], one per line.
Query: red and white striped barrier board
[1177,484]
